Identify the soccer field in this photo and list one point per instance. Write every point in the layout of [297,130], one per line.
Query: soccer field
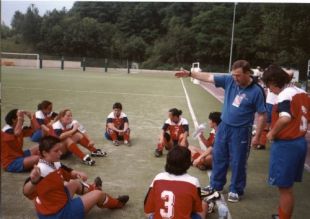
[146,99]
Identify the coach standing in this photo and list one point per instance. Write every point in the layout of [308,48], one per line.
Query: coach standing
[243,98]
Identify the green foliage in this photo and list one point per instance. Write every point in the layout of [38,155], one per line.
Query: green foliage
[171,34]
[5,31]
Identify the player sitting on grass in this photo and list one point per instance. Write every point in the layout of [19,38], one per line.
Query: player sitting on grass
[70,132]
[52,185]
[202,159]
[13,158]
[43,120]
[177,127]
[117,126]
[175,194]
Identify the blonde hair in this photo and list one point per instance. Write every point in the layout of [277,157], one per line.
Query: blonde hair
[61,114]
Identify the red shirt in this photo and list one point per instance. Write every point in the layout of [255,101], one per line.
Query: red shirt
[294,103]
[50,194]
[12,145]
[176,129]
[117,121]
[173,197]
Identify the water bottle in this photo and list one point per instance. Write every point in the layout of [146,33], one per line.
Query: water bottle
[199,130]
[223,210]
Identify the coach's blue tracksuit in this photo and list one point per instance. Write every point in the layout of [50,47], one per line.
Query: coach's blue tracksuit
[233,137]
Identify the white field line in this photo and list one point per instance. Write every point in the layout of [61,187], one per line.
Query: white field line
[200,142]
[91,91]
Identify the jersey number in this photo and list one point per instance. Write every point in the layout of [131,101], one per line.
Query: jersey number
[168,211]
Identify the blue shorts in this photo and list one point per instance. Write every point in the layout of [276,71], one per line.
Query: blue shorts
[287,159]
[73,209]
[17,165]
[107,136]
[193,216]
[37,135]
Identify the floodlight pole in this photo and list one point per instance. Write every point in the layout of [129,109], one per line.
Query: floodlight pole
[232,37]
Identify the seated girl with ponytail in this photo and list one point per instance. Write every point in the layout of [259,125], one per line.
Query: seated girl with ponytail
[174,132]
[42,120]
[71,133]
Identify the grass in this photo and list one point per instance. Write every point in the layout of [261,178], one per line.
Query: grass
[146,98]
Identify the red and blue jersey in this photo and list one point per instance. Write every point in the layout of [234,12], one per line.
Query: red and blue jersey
[117,121]
[40,119]
[50,195]
[174,197]
[176,129]
[292,102]
[12,145]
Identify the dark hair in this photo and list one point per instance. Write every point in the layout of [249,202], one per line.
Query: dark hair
[245,65]
[12,115]
[275,75]
[117,105]
[215,117]
[178,160]
[47,143]
[175,112]
[44,104]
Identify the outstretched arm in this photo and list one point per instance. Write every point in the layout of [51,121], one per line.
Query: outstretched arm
[202,76]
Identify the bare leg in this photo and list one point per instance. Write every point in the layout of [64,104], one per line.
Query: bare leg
[34,150]
[30,161]
[286,203]
[195,149]
[204,212]
[183,141]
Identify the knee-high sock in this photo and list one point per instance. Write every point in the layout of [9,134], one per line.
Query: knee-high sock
[127,135]
[85,143]
[111,203]
[75,150]
[282,214]
[113,135]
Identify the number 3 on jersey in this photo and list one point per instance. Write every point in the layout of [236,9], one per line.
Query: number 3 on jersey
[168,197]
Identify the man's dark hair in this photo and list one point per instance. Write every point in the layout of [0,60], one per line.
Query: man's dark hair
[245,65]
[47,143]
[117,105]
[12,115]
[275,75]
[178,160]
[175,112]
[215,117]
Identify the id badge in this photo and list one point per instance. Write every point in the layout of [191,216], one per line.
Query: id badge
[237,100]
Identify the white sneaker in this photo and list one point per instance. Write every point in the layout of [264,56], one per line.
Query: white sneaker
[127,143]
[233,197]
[88,161]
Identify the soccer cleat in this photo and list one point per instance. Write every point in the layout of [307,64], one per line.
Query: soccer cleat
[98,153]
[88,161]
[233,197]
[199,130]
[210,196]
[116,143]
[127,143]
[123,199]
[158,153]
[98,183]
